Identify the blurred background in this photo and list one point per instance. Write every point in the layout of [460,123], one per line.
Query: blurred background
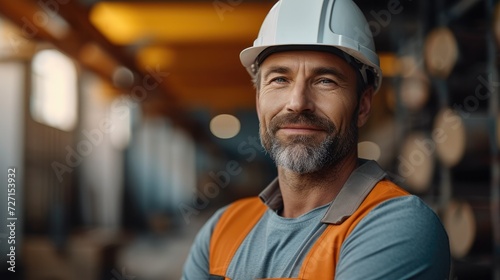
[125,124]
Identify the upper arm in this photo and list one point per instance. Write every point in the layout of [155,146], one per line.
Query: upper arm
[197,264]
[401,238]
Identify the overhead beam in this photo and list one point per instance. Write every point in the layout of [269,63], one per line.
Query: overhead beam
[80,36]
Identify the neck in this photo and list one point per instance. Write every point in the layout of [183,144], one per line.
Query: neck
[304,192]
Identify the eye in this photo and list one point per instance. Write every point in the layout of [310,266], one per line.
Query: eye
[279,80]
[326,81]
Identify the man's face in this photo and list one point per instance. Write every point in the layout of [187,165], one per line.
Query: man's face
[307,107]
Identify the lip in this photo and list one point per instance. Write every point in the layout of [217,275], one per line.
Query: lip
[300,129]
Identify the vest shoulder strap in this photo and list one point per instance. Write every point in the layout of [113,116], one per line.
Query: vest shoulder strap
[323,256]
[233,226]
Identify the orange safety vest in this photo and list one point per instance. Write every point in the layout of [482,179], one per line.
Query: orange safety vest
[320,262]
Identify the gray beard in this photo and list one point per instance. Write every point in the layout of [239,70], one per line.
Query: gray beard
[303,156]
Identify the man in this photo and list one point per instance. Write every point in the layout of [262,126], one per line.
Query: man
[328,215]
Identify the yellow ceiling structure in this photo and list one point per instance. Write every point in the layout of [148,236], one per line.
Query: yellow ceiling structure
[197,43]
[130,23]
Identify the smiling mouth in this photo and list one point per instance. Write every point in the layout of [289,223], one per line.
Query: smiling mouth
[303,124]
[300,129]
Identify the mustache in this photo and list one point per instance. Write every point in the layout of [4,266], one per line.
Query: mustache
[305,118]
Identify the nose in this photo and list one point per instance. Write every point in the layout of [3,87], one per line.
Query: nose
[300,98]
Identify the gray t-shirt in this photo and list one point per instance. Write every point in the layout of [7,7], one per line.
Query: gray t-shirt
[401,238]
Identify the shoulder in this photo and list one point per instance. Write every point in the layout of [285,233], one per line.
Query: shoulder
[408,211]
[238,205]
[402,235]
[202,240]
[243,208]
[404,217]
[409,204]
[196,265]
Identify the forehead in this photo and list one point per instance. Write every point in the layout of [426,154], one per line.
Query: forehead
[308,59]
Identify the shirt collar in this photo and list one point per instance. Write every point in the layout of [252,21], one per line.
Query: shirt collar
[356,188]
[271,196]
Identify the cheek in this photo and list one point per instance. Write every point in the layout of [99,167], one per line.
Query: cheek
[264,119]
[267,108]
[339,111]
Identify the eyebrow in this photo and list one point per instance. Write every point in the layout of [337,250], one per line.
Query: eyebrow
[330,71]
[275,70]
[316,71]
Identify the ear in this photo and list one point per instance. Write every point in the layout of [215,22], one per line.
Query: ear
[365,106]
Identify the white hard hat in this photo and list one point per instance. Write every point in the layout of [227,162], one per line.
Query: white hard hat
[317,23]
